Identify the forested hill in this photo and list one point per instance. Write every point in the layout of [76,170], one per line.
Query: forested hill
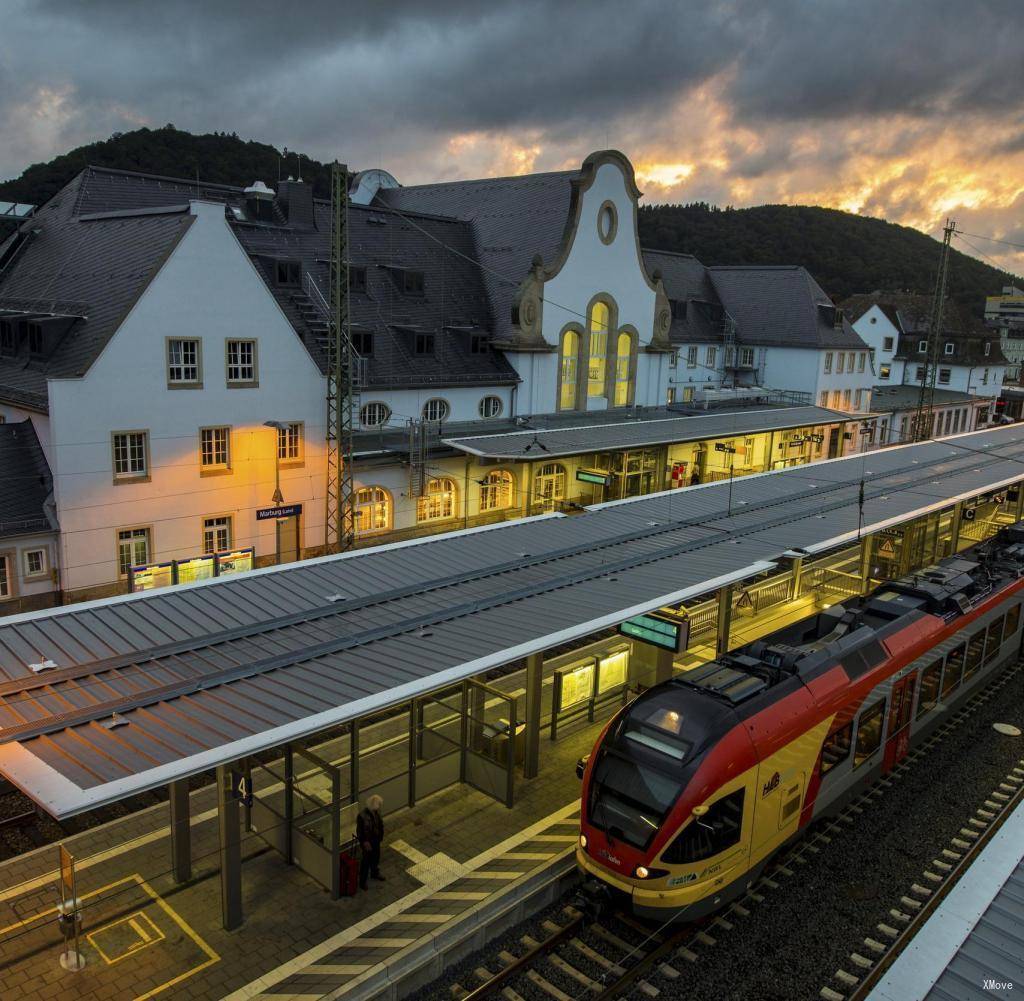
[846,253]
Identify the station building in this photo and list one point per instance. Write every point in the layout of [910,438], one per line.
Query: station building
[167,341]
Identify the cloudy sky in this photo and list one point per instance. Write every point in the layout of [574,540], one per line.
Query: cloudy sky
[905,109]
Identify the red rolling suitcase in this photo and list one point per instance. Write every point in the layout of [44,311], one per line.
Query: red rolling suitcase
[349,863]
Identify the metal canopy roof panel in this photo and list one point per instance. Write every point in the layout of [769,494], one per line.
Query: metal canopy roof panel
[637,433]
[207,673]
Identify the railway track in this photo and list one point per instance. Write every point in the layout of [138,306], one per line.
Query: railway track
[561,956]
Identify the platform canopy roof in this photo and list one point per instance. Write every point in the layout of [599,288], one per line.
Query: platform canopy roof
[557,442]
[108,698]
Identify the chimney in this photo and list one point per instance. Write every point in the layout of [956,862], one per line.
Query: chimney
[295,199]
[259,202]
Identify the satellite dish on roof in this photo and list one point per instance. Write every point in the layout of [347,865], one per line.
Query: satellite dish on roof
[367,183]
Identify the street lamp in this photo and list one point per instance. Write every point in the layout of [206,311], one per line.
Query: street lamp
[279,426]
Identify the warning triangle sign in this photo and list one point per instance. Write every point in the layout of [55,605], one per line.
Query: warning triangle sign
[887,548]
[745,600]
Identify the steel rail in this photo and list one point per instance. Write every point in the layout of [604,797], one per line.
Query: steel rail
[100,710]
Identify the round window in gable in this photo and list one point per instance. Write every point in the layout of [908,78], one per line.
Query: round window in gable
[607,222]
[436,410]
[490,406]
[373,415]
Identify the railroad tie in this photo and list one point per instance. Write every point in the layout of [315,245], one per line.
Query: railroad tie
[911,903]
[921,891]
[875,946]
[457,991]
[769,882]
[943,867]
[862,961]
[740,910]
[596,957]
[483,974]
[966,832]
[898,916]
[960,843]
[648,989]
[990,805]
[669,972]
[846,978]
[688,954]
[529,941]
[550,927]
[547,987]
[756,897]
[723,924]
[955,856]
[827,994]
[1001,796]
[888,931]
[1007,788]
[933,877]
[570,971]
[978,822]
[705,939]
[510,995]
[812,848]
[985,814]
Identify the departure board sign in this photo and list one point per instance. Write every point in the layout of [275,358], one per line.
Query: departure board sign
[197,568]
[151,576]
[667,634]
[611,670]
[235,562]
[577,684]
[598,476]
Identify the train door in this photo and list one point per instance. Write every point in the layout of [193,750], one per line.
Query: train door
[898,741]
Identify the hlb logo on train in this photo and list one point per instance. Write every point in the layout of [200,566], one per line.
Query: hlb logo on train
[771,785]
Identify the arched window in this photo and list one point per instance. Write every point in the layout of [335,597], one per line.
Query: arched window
[497,490]
[490,406]
[549,485]
[623,366]
[568,370]
[598,361]
[440,501]
[436,409]
[373,510]
[374,414]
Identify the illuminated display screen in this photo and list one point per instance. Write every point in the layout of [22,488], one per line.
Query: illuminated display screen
[658,632]
[612,671]
[577,684]
[198,568]
[154,575]
[598,476]
[236,562]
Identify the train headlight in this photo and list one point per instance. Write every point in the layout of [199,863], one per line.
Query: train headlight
[583,841]
[641,872]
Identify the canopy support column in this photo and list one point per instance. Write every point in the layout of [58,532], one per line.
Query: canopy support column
[181,830]
[798,573]
[228,823]
[958,513]
[663,665]
[724,620]
[865,563]
[534,693]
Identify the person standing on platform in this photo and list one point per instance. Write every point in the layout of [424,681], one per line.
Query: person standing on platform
[370,832]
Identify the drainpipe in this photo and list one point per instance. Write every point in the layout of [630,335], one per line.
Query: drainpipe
[465,499]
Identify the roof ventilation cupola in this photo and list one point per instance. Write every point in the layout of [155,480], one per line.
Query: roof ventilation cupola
[259,202]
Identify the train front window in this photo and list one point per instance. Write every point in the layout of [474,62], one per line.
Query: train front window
[659,728]
[628,799]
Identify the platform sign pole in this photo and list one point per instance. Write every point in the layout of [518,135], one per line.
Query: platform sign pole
[724,620]
[534,702]
[69,915]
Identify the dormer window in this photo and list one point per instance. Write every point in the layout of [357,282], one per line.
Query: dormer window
[478,344]
[424,344]
[362,342]
[35,338]
[988,348]
[949,348]
[288,273]
[922,346]
[679,309]
[412,282]
[357,279]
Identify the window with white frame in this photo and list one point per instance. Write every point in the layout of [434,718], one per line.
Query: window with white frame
[746,356]
[549,484]
[835,399]
[214,448]
[823,400]
[919,374]
[436,410]
[945,374]
[183,361]
[134,546]
[289,442]
[217,534]
[862,361]
[984,377]
[846,399]
[691,356]
[949,347]
[988,348]
[373,510]
[490,406]
[131,454]
[887,343]
[884,371]
[497,490]
[840,363]
[712,355]
[849,361]
[828,362]
[6,578]
[922,346]
[374,414]
[241,361]
[440,500]
[35,562]
[858,396]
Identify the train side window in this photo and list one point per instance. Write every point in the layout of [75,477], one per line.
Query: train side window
[1012,622]
[954,668]
[995,639]
[869,732]
[836,748]
[931,678]
[975,648]
[719,829]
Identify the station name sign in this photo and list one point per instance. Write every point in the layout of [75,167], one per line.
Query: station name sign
[285,511]
[660,631]
[598,476]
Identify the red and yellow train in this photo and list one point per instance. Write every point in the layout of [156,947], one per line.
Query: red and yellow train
[696,783]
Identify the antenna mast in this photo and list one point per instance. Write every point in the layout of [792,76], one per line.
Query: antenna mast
[923,418]
[340,520]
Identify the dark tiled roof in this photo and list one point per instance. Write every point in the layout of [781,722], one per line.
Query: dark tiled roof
[94,270]
[780,306]
[25,483]
[967,349]
[453,303]
[697,313]
[513,219]
[911,312]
